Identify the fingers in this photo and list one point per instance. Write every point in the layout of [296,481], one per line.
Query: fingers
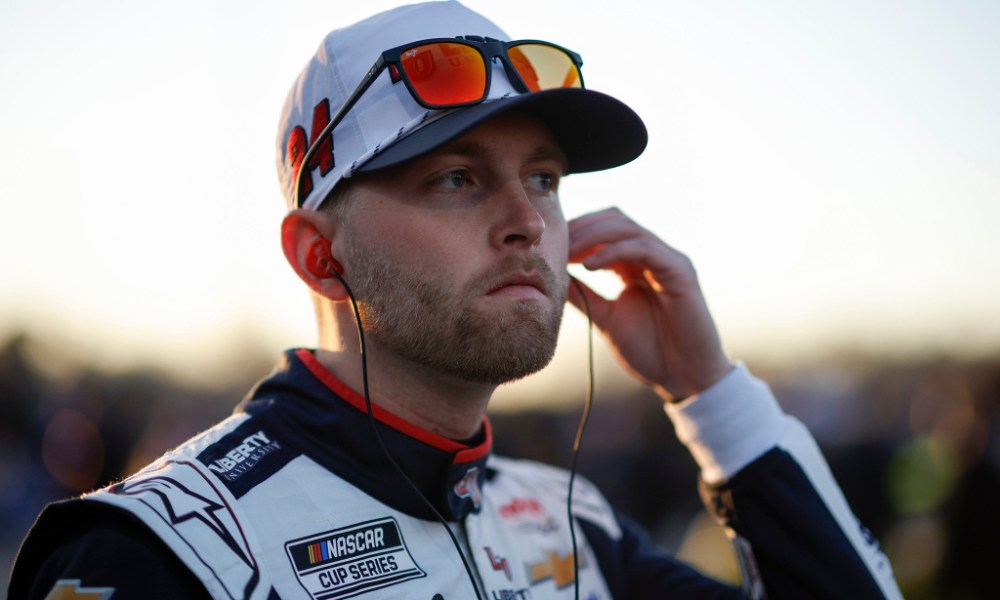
[608,239]
[589,233]
[659,325]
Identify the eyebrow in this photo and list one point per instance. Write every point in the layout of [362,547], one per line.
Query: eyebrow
[479,151]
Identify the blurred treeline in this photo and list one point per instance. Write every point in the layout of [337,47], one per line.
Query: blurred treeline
[914,442]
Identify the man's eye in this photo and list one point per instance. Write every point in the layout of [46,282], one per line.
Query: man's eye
[542,182]
[453,179]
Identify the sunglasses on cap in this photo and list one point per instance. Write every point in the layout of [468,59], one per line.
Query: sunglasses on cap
[455,72]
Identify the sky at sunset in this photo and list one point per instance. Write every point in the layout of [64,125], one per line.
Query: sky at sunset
[832,168]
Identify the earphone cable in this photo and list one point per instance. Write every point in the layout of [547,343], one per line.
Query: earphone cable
[385,450]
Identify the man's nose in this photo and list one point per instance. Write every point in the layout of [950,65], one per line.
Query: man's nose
[519,222]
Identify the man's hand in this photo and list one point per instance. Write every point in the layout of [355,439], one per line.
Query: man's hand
[659,326]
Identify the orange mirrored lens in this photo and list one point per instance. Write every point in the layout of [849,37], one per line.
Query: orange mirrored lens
[544,67]
[444,73]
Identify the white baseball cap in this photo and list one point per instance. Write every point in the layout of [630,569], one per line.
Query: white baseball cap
[387,126]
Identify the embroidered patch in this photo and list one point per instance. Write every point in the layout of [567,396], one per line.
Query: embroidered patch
[522,507]
[352,560]
[499,563]
[244,456]
[468,487]
[528,515]
[69,589]
[555,567]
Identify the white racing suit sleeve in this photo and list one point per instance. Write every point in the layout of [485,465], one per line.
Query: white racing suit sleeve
[765,479]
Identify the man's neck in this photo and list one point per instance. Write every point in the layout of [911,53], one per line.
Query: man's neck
[439,403]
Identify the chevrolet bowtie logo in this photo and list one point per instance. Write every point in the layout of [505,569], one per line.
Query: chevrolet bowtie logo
[554,567]
[69,589]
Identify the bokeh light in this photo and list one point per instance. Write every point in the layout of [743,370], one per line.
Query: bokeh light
[73,450]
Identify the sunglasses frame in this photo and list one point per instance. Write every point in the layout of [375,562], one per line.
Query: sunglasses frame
[488,48]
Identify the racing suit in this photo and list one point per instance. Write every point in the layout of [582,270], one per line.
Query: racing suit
[293,497]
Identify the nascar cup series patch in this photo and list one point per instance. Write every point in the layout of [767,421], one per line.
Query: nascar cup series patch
[352,560]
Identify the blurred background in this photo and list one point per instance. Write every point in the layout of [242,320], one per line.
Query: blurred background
[833,169]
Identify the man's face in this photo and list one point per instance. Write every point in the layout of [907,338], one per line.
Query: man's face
[458,258]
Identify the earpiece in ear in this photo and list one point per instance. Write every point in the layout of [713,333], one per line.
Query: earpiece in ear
[320,262]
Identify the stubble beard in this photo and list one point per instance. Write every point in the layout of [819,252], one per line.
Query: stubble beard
[417,317]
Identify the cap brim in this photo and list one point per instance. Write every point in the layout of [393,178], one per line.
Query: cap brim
[595,131]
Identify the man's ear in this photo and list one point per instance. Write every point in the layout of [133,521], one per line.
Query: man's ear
[305,239]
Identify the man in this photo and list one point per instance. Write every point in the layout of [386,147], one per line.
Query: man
[425,218]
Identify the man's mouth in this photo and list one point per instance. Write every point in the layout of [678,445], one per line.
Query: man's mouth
[520,285]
